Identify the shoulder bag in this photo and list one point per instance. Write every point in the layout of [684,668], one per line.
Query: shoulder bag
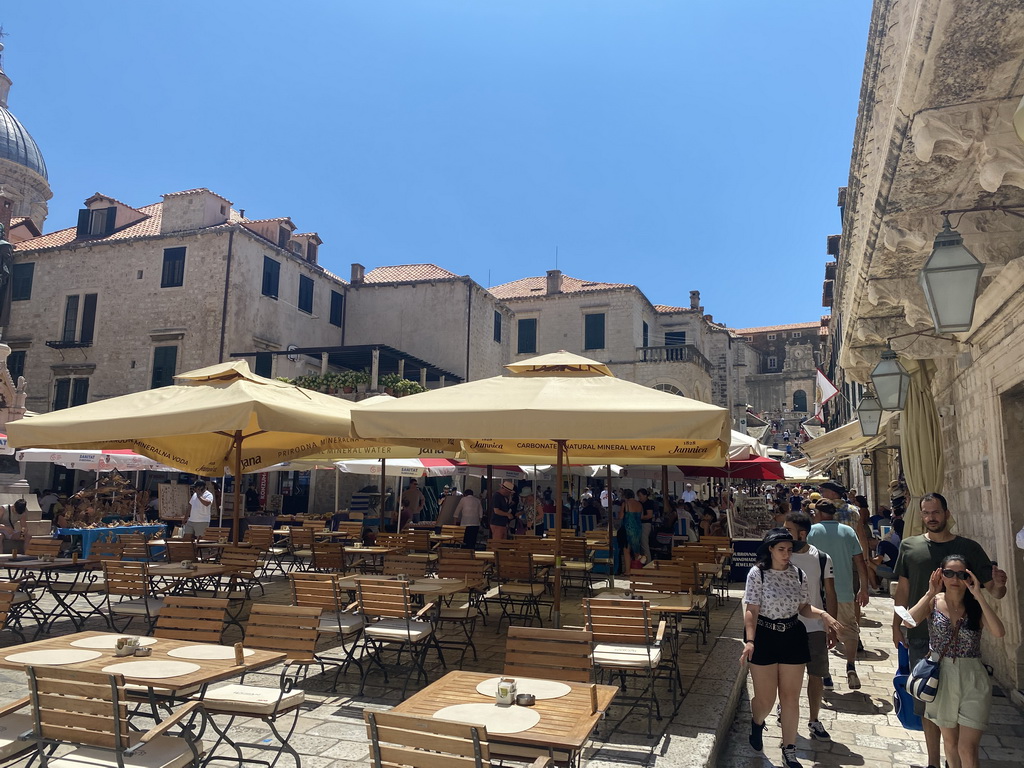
[923,684]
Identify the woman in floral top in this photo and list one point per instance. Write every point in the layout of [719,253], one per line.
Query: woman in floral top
[957,613]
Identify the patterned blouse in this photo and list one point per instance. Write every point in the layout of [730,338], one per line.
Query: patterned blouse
[940,630]
[779,594]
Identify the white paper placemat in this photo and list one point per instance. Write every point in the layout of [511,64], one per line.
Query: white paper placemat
[154,669]
[542,689]
[54,657]
[497,719]
[207,652]
[107,642]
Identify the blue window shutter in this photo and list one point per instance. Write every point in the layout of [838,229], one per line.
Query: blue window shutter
[111,218]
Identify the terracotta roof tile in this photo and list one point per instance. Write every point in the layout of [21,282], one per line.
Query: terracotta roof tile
[405,273]
[198,189]
[771,328]
[146,227]
[101,196]
[665,308]
[529,287]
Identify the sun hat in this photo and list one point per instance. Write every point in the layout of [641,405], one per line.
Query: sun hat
[834,487]
[526,490]
[508,485]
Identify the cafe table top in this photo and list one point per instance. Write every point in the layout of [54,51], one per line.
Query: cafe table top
[210,670]
[661,602]
[565,723]
[23,563]
[201,570]
[538,559]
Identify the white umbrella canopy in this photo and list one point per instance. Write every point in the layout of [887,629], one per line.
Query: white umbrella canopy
[518,419]
[223,416]
[96,461]
[553,406]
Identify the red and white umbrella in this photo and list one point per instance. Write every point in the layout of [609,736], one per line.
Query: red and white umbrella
[94,461]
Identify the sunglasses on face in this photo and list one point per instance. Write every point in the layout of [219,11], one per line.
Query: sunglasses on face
[949,573]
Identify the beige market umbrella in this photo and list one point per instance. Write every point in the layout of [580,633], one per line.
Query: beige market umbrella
[921,444]
[553,406]
[223,416]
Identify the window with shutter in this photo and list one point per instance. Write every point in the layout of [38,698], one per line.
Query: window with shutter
[497,326]
[70,320]
[173,274]
[593,331]
[88,319]
[61,393]
[306,294]
[675,338]
[271,277]
[526,343]
[79,391]
[337,308]
[264,364]
[21,281]
[16,364]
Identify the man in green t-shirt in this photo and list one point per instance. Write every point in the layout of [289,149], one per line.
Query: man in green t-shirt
[919,557]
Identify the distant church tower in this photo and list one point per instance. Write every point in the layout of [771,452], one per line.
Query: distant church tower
[23,178]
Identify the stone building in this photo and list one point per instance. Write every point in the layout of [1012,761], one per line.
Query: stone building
[437,315]
[23,178]
[935,132]
[674,349]
[783,384]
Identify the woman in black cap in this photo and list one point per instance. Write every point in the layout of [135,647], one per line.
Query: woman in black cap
[776,642]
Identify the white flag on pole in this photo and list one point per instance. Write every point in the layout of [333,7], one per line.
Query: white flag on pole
[824,390]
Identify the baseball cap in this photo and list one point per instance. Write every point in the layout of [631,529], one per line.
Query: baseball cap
[834,487]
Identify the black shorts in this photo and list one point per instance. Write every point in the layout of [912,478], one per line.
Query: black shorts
[774,647]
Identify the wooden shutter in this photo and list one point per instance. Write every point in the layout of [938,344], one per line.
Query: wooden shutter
[88,318]
[83,223]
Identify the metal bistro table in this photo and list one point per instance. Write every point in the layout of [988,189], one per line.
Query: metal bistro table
[90,536]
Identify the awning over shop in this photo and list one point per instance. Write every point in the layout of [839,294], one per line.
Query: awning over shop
[843,442]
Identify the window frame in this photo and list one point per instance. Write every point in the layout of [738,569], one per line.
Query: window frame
[18,290]
[522,349]
[675,338]
[772,336]
[305,297]
[497,326]
[164,379]
[772,363]
[173,268]
[271,278]
[589,332]
[337,312]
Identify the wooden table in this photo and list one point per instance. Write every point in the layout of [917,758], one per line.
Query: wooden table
[210,670]
[49,573]
[565,723]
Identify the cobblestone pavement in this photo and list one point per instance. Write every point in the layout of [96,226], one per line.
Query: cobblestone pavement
[330,730]
[863,726]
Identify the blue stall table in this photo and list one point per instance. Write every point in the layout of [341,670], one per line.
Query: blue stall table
[90,536]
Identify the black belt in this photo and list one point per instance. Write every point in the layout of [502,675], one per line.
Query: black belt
[778,625]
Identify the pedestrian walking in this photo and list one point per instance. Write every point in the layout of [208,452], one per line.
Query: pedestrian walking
[919,556]
[955,612]
[468,513]
[775,646]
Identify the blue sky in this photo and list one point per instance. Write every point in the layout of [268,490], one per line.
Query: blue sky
[676,145]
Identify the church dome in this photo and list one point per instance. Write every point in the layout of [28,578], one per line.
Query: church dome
[17,145]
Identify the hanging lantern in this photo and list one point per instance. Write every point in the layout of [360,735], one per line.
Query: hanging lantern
[869,413]
[892,382]
[950,280]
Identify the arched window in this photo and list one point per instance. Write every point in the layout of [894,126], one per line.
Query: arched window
[672,390]
[800,401]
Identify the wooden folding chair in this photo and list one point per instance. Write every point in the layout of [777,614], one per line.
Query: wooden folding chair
[423,742]
[519,588]
[391,620]
[463,608]
[409,565]
[129,594]
[293,630]
[88,711]
[321,590]
[628,643]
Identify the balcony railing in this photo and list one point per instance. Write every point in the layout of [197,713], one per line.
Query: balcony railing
[68,344]
[678,353]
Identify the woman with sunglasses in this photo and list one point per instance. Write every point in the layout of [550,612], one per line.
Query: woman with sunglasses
[957,613]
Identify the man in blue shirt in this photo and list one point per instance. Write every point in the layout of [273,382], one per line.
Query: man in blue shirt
[841,543]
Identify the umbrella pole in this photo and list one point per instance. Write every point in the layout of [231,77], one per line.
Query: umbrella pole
[238,485]
[556,610]
[611,526]
[380,512]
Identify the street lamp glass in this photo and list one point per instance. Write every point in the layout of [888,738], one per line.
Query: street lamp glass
[950,280]
[891,382]
[869,413]
[866,465]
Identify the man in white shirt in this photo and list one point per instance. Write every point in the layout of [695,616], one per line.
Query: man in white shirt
[198,511]
[689,495]
[820,575]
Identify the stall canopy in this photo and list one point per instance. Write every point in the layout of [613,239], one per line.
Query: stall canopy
[95,461]
[843,442]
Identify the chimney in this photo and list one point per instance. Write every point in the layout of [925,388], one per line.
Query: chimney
[554,281]
[358,273]
[694,299]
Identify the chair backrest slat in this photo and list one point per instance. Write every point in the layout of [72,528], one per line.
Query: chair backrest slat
[317,590]
[199,619]
[619,621]
[79,708]
[554,654]
[126,579]
[395,564]
[383,598]
[423,742]
[288,628]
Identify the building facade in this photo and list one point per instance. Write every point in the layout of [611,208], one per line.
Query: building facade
[935,133]
[23,176]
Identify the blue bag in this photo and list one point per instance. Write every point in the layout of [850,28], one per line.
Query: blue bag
[902,701]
